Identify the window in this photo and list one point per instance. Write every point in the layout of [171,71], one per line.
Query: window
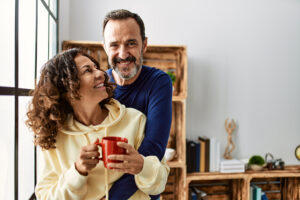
[29,39]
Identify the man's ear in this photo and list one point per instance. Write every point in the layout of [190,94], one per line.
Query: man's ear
[145,43]
[104,46]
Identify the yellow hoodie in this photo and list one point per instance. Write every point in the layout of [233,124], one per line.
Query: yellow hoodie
[58,178]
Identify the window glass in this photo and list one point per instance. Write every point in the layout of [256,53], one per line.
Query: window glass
[52,38]
[26,152]
[53,6]
[26,43]
[7,149]
[7,41]
[42,48]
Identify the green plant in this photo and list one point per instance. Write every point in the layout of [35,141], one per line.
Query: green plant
[172,76]
[257,160]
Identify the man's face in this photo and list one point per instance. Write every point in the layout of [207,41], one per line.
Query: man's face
[124,47]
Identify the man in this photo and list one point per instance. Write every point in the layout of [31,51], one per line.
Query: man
[141,87]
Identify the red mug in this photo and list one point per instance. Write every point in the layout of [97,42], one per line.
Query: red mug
[109,146]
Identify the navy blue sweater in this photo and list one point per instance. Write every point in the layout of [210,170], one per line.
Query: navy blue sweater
[151,94]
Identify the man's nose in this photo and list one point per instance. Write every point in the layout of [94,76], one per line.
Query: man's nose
[123,52]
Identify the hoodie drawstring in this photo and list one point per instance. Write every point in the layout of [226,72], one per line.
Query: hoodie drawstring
[106,173]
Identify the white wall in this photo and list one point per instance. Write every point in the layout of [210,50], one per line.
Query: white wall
[243,63]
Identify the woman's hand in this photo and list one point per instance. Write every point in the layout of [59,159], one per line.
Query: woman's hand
[132,163]
[88,159]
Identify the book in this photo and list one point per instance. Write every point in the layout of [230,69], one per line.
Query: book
[239,170]
[197,159]
[256,192]
[193,195]
[264,196]
[251,193]
[205,141]
[218,155]
[199,193]
[231,166]
[202,156]
[214,159]
[190,156]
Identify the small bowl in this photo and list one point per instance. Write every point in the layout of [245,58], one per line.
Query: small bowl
[255,167]
[169,154]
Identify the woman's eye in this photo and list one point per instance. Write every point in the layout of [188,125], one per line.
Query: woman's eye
[87,70]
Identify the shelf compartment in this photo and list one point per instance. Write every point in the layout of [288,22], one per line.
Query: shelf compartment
[175,185]
[177,131]
[228,189]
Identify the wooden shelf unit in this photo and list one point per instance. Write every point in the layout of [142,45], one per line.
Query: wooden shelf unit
[167,58]
[237,185]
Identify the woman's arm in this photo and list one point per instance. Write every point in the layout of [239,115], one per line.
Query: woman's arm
[54,183]
[154,176]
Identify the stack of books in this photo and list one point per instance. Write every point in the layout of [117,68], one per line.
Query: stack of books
[232,166]
[203,155]
[256,193]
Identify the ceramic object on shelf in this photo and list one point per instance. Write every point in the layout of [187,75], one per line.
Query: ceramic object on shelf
[169,154]
[255,167]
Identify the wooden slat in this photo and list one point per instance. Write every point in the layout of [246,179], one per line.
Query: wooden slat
[170,196]
[274,196]
[160,55]
[164,66]
[218,197]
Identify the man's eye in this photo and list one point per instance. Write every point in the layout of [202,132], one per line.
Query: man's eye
[131,44]
[113,45]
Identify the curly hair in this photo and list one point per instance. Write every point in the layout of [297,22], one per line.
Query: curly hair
[50,106]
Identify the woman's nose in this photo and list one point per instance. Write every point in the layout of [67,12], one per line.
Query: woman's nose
[99,74]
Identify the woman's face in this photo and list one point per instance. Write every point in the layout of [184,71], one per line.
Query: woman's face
[92,89]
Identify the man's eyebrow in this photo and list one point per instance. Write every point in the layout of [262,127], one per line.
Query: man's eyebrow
[132,40]
[114,42]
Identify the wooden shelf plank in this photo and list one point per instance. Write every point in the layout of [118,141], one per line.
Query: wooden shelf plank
[176,164]
[178,98]
[246,175]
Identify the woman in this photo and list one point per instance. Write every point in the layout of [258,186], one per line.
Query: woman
[72,107]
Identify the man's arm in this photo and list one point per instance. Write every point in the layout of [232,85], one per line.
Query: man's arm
[159,118]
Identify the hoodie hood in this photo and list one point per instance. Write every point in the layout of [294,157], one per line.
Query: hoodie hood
[116,112]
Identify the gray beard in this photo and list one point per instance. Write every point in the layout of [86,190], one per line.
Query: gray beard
[132,74]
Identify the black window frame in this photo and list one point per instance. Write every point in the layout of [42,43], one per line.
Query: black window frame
[17,92]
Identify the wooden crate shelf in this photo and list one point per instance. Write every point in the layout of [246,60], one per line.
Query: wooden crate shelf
[167,58]
[284,184]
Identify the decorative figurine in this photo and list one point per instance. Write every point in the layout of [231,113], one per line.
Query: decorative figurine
[230,145]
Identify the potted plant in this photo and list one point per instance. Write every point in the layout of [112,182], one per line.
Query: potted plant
[256,162]
[173,78]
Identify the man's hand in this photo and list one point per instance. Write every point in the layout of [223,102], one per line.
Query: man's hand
[132,163]
[88,159]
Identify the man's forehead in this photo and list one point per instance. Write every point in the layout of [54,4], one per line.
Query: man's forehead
[125,28]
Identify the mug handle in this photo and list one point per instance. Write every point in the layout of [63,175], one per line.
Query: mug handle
[99,144]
